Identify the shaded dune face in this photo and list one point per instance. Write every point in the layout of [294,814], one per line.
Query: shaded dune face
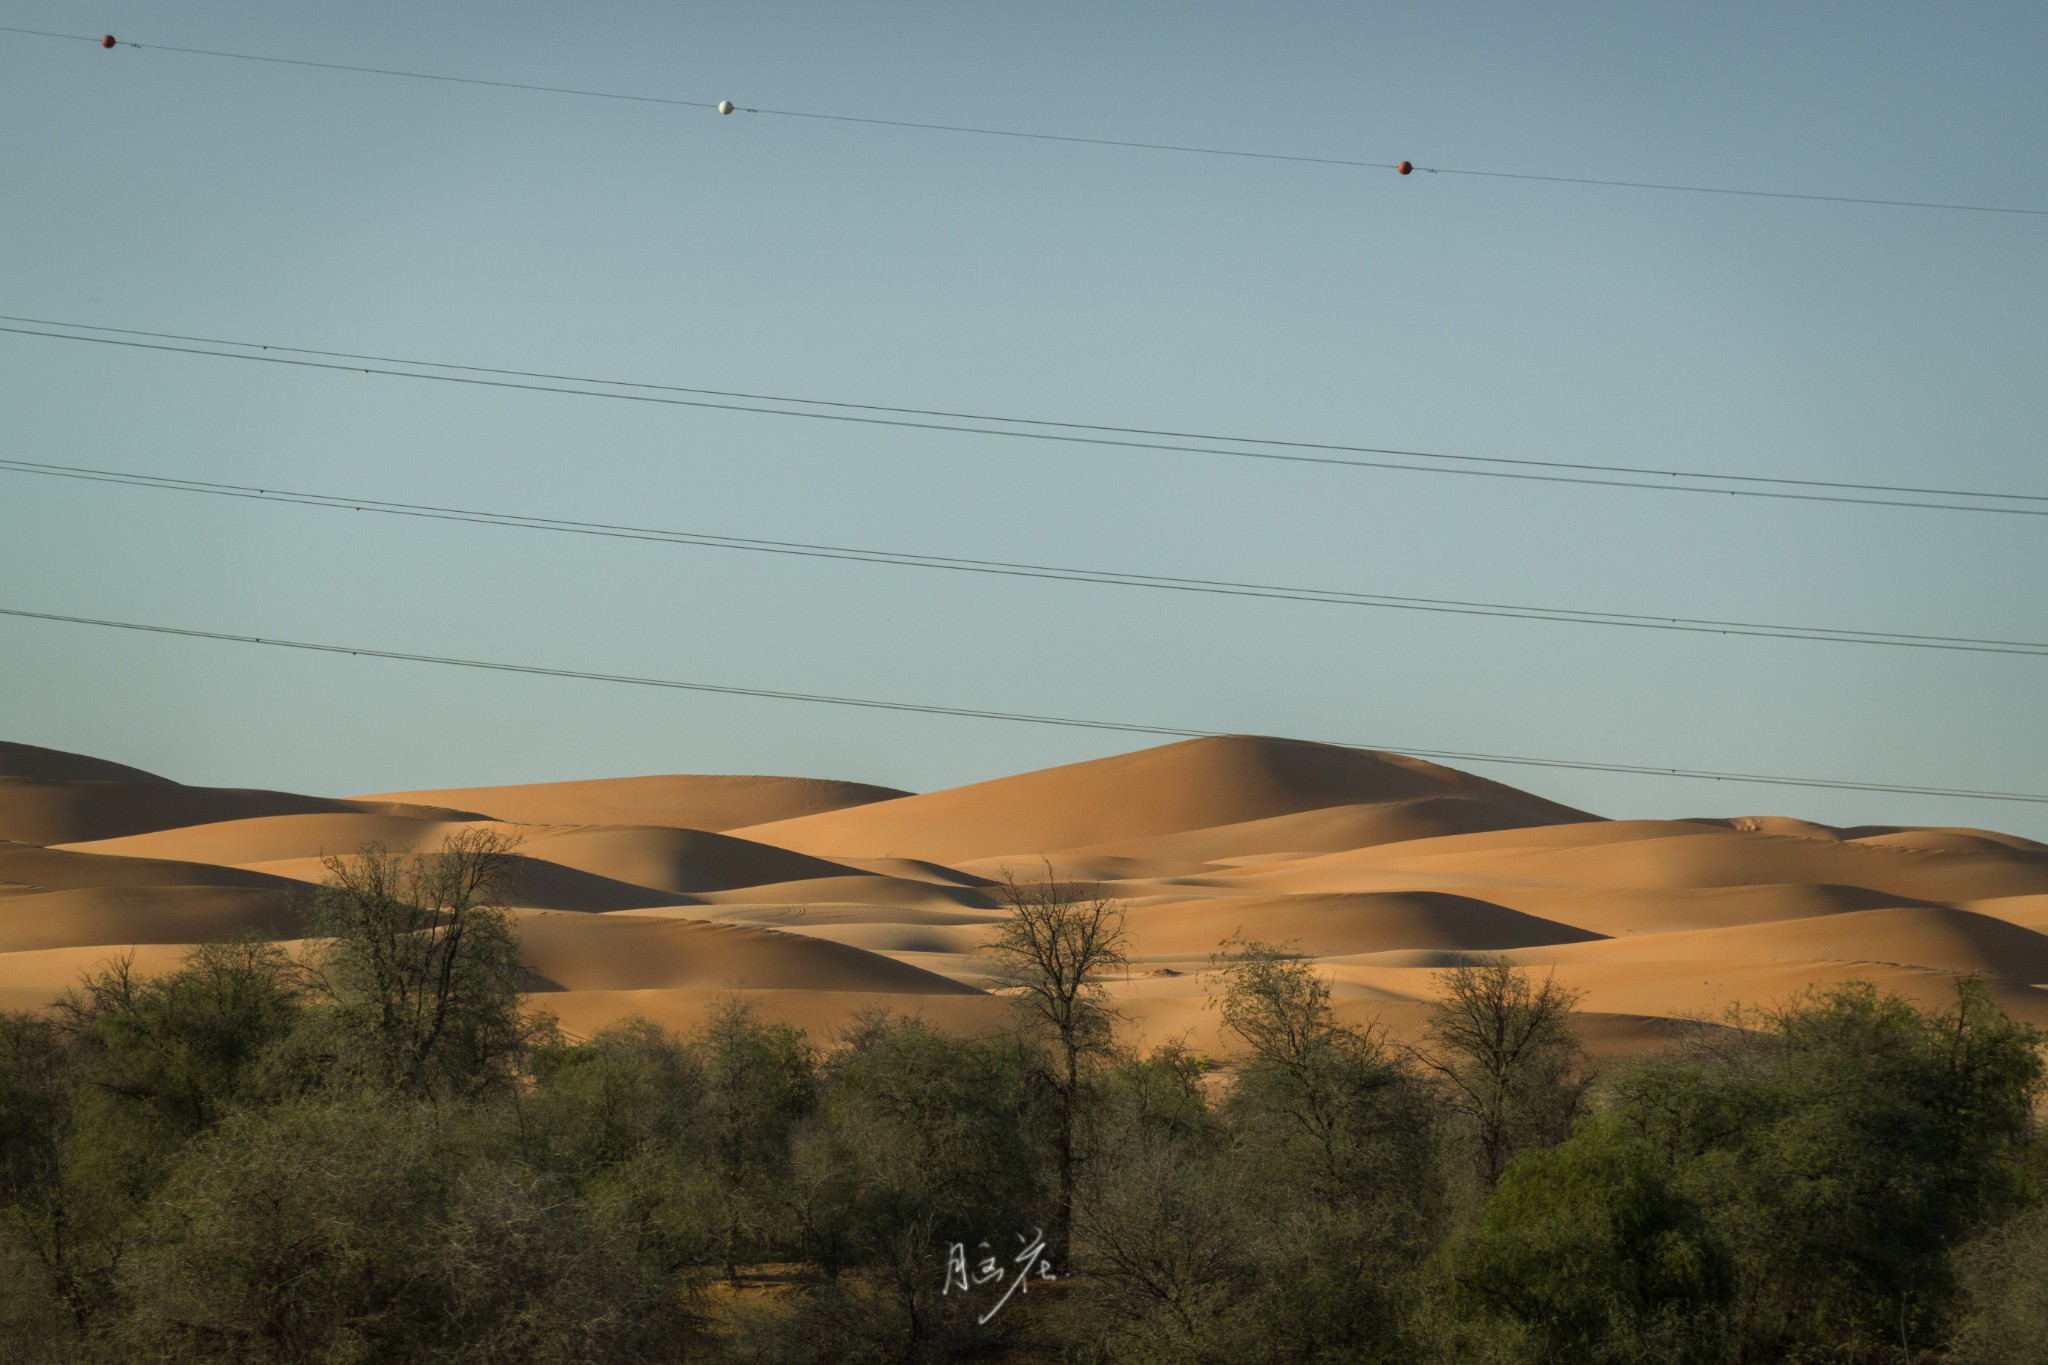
[690,802]
[54,765]
[1331,925]
[271,838]
[612,953]
[91,916]
[662,895]
[1937,937]
[35,868]
[681,860]
[56,811]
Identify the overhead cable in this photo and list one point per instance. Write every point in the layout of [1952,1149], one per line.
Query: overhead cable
[1522,470]
[726,106]
[1014,569]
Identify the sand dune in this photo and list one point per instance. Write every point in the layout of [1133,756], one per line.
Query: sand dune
[894,892]
[55,765]
[1326,925]
[54,869]
[713,803]
[1708,989]
[145,914]
[674,859]
[1656,910]
[1331,829]
[604,952]
[1939,937]
[40,975]
[271,838]
[2030,912]
[1949,837]
[1696,858]
[918,870]
[1952,841]
[664,895]
[44,811]
[1195,784]
[530,883]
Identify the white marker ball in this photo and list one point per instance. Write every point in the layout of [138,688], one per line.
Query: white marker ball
[725,106]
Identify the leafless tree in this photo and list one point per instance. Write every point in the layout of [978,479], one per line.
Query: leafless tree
[1504,1047]
[422,964]
[1054,947]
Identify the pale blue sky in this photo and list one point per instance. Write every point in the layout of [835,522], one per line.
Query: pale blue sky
[326,209]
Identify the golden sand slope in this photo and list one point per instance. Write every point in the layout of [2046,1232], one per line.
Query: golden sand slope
[1196,784]
[660,895]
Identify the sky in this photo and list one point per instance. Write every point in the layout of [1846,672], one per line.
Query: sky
[1526,319]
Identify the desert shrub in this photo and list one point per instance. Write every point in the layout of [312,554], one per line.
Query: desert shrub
[50,1265]
[2003,1277]
[98,1099]
[1332,1152]
[181,1051]
[1590,1254]
[925,1140]
[1840,1150]
[1165,1225]
[352,1231]
[632,1090]
[758,1083]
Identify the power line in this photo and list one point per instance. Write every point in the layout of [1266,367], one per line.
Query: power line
[1020,717]
[369,70]
[1778,480]
[1289,453]
[1014,569]
[970,130]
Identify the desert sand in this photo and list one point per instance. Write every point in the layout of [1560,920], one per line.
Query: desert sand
[660,895]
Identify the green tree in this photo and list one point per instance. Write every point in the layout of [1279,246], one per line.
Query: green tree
[1334,1101]
[928,1139]
[381,1230]
[1842,1148]
[49,1253]
[98,1100]
[757,1084]
[632,1089]
[1169,1222]
[185,1049]
[2003,1276]
[622,1117]
[1333,1143]
[1591,1250]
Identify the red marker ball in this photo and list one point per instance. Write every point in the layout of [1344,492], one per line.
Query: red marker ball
[1405,167]
[107,41]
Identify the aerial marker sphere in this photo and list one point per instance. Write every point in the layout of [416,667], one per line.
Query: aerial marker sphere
[725,106]
[107,41]
[1405,167]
